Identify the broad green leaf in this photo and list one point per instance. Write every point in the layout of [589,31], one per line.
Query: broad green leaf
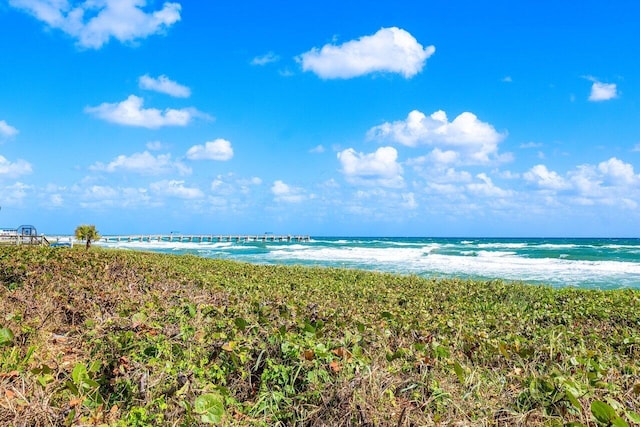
[72,387]
[603,411]
[619,422]
[210,407]
[617,406]
[138,318]
[634,417]
[6,336]
[79,374]
[95,366]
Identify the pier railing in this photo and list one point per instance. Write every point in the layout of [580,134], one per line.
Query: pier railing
[14,239]
[205,238]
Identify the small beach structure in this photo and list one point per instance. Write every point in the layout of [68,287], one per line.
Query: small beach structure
[23,235]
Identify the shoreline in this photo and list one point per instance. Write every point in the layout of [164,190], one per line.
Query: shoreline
[581,263]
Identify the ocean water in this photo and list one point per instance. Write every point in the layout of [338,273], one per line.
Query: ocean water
[585,263]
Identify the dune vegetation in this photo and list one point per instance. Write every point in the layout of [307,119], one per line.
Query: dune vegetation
[124,338]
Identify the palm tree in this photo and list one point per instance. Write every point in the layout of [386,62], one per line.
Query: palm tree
[88,233]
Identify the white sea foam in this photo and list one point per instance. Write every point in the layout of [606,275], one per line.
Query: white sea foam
[479,258]
[506,265]
[554,246]
[169,246]
[617,247]
[503,245]
[495,254]
[358,255]
[290,247]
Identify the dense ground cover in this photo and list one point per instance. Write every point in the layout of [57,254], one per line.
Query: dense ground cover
[131,338]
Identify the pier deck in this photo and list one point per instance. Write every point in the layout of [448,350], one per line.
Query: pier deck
[205,238]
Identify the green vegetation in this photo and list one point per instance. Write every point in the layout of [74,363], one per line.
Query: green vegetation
[122,338]
[87,233]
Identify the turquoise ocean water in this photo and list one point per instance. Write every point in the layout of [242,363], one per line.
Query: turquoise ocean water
[588,263]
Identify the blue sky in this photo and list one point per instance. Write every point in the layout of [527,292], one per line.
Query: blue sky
[411,118]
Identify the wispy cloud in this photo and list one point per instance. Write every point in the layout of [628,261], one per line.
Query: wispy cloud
[156,145]
[265,59]
[485,187]
[7,130]
[143,163]
[104,196]
[531,144]
[130,112]
[390,50]
[164,85]
[14,169]
[318,149]
[93,23]
[174,188]
[286,193]
[220,149]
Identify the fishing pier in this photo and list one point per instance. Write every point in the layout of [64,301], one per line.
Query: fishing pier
[206,238]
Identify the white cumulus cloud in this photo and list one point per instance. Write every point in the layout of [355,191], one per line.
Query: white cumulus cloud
[612,182]
[94,22]
[391,50]
[473,140]
[143,163]
[14,169]
[377,168]
[545,178]
[6,130]
[130,112]
[286,193]
[618,172]
[164,84]
[220,149]
[602,91]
